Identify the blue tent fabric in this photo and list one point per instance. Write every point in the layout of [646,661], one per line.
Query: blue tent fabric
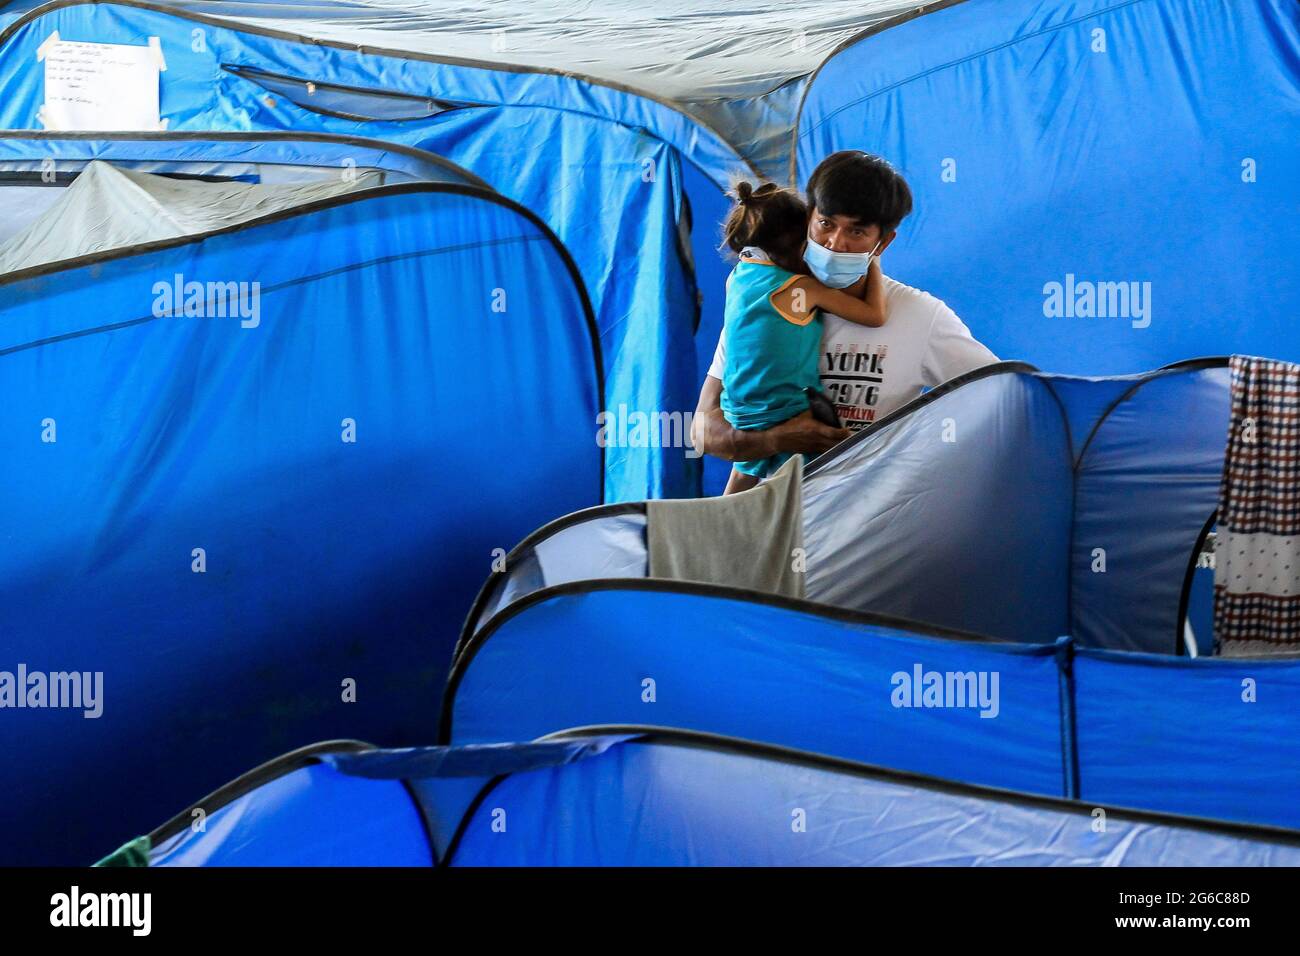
[1085,401]
[1135,496]
[1211,737]
[607,178]
[1200,594]
[1205,737]
[732,663]
[203,534]
[648,797]
[325,559]
[731,811]
[1015,120]
[957,514]
[1010,503]
[316,818]
[381,807]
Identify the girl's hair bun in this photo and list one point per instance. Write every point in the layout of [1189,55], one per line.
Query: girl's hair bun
[767,216]
[746,192]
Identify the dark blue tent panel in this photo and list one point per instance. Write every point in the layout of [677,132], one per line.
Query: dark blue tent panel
[1100,187]
[656,798]
[1210,737]
[1013,504]
[334,464]
[787,673]
[1146,483]
[1200,596]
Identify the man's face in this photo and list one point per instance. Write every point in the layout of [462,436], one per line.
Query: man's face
[842,234]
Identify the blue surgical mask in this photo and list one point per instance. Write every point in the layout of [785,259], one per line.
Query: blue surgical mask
[838,270]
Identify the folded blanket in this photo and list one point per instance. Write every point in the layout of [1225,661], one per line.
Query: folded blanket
[1257,558]
[753,539]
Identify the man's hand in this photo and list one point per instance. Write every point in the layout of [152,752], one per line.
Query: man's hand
[804,435]
[712,434]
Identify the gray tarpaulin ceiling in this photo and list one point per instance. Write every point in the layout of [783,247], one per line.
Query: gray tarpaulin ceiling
[679,50]
[739,67]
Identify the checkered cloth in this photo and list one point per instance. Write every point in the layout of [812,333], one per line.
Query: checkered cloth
[1257,561]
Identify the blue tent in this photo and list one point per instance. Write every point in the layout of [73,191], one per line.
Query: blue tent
[1100,187]
[1045,528]
[976,102]
[1039,529]
[650,797]
[260,508]
[726,661]
[619,174]
[1205,736]
[1009,503]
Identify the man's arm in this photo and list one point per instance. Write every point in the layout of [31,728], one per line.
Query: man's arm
[712,434]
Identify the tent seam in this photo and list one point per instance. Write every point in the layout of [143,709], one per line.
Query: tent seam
[239,136]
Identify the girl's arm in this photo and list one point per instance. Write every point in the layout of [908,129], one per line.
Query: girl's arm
[869,310]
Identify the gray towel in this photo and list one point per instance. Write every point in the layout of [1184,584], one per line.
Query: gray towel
[753,539]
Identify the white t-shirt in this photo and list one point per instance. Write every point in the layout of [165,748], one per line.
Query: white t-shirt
[870,372]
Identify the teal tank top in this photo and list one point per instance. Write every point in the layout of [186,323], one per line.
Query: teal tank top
[770,358]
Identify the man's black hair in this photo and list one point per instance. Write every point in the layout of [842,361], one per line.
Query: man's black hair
[861,186]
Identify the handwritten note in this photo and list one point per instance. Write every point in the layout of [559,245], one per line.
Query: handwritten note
[100,86]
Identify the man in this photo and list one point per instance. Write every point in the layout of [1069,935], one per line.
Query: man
[856,203]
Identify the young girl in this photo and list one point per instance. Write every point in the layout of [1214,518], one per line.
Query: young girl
[771,325]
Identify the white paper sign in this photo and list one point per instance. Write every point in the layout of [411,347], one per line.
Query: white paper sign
[100,86]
